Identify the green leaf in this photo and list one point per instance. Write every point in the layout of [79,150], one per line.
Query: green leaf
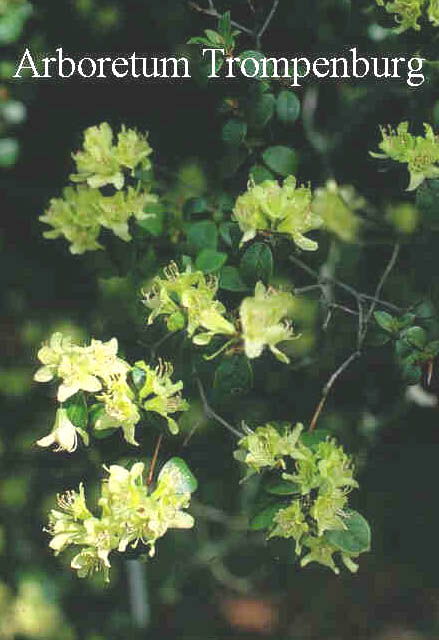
[234,132]
[385,320]
[178,474]
[406,320]
[249,65]
[258,173]
[280,159]
[230,280]
[101,434]
[224,24]
[411,372]
[257,263]
[9,150]
[279,487]
[355,539]
[260,111]
[153,225]
[312,438]
[198,40]
[203,235]
[209,260]
[12,22]
[287,107]
[213,36]
[76,408]
[227,229]
[138,377]
[234,376]
[232,160]
[264,519]
[193,206]
[415,336]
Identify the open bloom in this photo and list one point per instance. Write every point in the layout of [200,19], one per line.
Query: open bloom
[287,209]
[263,320]
[64,434]
[130,512]
[420,153]
[188,299]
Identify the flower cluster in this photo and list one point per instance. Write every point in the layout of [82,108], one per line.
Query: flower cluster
[420,153]
[270,207]
[131,512]
[98,370]
[317,478]
[265,447]
[101,162]
[408,12]
[337,206]
[83,210]
[158,393]
[188,301]
[263,321]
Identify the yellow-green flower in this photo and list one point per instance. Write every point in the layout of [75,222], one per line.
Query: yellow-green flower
[267,446]
[74,217]
[120,408]
[160,394]
[407,12]
[81,212]
[290,523]
[64,434]
[188,299]
[420,153]
[101,162]
[130,512]
[337,206]
[263,321]
[317,485]
[268,206]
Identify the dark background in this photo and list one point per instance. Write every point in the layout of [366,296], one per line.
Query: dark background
[258,590]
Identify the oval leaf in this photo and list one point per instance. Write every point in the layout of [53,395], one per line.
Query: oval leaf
[203,235]
[279,487]
[355,539]
[234,132]
[264,519]
[178,475]
[385,320]
[209,260]
[77,411]
[257,263]
[281,160]
[287,107]
[230,280]
[234,376]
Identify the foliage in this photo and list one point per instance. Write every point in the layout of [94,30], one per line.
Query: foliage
[260,267]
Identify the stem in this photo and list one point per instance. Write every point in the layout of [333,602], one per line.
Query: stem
[154,460]
[363,322]
[209,412]
[220,350]
[211,11]
[329,384]
[266,24]
[381,283]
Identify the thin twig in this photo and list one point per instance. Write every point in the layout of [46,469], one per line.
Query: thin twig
[154,459]
[214,14]
[328,386]
[380,285]
[209,412]
[266,24]
[342,285]
[363,319]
